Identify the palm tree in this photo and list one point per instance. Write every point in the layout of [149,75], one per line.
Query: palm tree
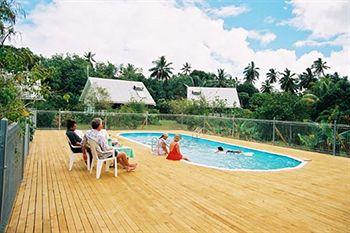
[322,87]
[335,77]
[272,76]
[130,69]
[89,57]
[307,79]
[186,69]
[251,73]
[162,69]
[233,81]
[10,11]
[288,82]
[221,79]
[266,87]
[197,81]
[319,66]
[130,72]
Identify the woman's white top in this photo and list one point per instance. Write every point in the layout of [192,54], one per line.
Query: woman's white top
[161,141]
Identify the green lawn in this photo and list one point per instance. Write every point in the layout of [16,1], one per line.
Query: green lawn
[164,125]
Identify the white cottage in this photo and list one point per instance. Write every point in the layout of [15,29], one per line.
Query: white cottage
[210,94]
[120,91]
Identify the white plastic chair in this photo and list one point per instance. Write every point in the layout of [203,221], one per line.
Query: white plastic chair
[74,154]
[100,157]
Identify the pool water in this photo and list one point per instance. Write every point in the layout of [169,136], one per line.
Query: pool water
[202,152]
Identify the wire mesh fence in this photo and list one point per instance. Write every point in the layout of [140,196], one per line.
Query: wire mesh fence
[326,138]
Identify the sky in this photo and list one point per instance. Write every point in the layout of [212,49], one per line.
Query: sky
[209,35]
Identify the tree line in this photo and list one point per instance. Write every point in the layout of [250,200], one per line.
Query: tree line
[313,95]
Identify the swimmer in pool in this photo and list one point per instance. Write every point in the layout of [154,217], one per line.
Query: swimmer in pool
[234,152]
[220,150]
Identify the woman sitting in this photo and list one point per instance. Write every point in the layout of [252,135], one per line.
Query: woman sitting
[76,140]
[175,153]
[161,145]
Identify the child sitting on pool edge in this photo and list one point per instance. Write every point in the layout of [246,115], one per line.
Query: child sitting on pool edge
[174,150]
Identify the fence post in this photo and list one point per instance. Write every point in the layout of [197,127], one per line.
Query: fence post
[146,120]
[59,119]
[203,122]
[25,147]
[334,136]
[106,127]
[290,133]
[35,118]
[3,135]
[233,126]
[273,130]
[182,119]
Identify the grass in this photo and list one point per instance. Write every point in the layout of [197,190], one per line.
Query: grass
[164,125]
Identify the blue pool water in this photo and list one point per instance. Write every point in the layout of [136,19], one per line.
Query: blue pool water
[202,151]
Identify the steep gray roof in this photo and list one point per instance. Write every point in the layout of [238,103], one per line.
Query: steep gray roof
[210,94]
[120,91]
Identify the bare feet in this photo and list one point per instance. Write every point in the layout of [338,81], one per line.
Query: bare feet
[129,169]
[132,165]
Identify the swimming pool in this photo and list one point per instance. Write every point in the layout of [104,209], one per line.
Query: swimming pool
[201,152]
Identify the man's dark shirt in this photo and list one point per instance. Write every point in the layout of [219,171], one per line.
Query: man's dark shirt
[74,138]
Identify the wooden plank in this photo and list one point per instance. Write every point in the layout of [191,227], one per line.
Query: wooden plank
[77,197]
[45,193]
[53,215]
[165,196]
[28,183]
[38,227]
[30,218]
[68,198]
[66,208]
[60,211]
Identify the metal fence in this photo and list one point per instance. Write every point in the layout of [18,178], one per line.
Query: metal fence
[326,138]
[14,147]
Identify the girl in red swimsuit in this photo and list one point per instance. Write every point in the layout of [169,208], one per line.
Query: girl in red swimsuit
[175,153]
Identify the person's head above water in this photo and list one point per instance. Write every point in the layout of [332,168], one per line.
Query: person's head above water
[164,135]
[220,148]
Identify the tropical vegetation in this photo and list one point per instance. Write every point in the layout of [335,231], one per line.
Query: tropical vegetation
[313,95]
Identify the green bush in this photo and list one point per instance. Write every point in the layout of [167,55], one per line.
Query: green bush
[46,120]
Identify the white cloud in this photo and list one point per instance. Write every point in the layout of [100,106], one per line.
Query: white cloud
[342,40]
[139,32]
[324,19]
[269,19]
[228,11]
[263,37]
[311,43]
[329,24]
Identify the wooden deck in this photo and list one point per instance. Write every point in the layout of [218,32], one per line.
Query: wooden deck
[166,196]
